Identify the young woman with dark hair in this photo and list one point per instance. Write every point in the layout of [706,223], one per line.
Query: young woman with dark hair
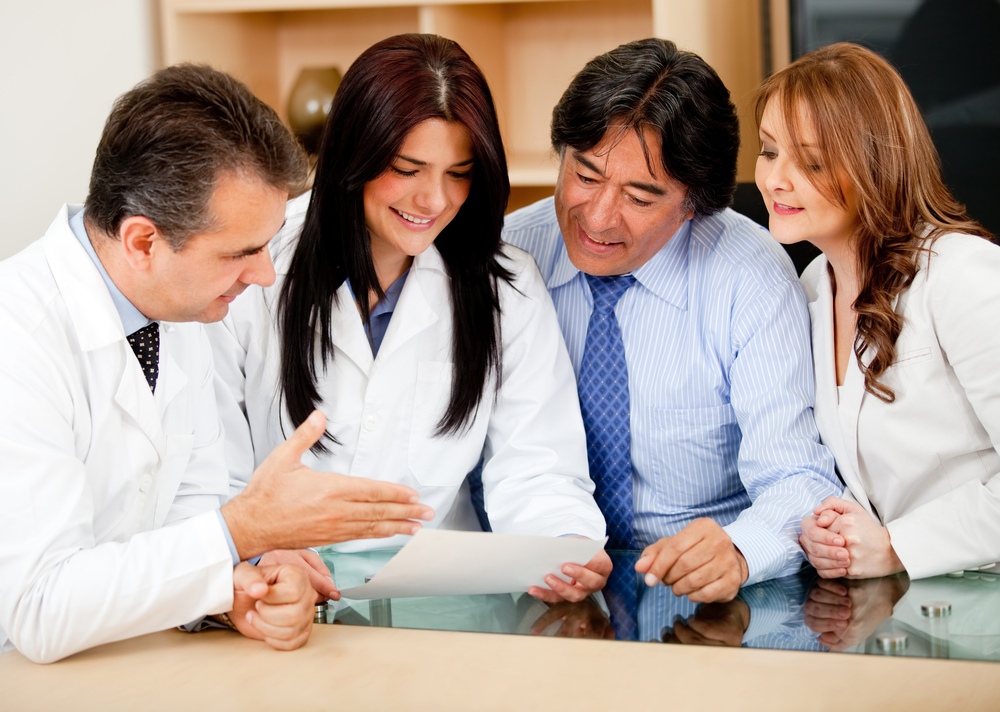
[905,306]
[399,313]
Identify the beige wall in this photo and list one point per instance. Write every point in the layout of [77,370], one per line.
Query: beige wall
[62,64]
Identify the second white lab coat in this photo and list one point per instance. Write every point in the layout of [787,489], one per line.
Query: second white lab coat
[384,410]
[106,491]
[927,465]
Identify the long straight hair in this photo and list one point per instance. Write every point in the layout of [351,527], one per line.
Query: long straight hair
[391,88]
[869,128]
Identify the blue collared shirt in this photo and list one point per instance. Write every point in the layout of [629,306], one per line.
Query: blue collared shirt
[716,336]
[132,321]
[381,314]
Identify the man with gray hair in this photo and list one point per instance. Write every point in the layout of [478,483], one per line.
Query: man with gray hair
[112,462]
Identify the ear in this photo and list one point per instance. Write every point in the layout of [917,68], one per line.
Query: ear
[141,240]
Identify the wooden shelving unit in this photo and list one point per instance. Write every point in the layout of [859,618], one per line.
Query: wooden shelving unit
[529,50]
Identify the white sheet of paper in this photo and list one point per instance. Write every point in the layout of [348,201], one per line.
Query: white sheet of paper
[453,563]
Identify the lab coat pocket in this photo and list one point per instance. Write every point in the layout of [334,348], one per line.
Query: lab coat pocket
[697,458]
[438,460]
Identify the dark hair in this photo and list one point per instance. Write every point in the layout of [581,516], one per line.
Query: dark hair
[393,86]
[870,131]
[167,141]
[651,84]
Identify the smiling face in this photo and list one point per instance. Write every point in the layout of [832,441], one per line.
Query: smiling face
[615,213]
[408,206]
[797,209]
[200,281]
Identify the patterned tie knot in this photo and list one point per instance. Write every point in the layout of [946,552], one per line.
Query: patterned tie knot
[608,290]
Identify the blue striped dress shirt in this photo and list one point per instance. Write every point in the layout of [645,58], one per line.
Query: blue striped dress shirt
[716,335]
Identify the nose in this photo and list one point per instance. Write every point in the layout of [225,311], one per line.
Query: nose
[259,269]
[778,175]
[602,210]
[431,196]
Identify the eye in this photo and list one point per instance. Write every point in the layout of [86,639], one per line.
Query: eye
[769,155]
[638,201]
[398,171]
[584,179]
[815,168]
[460,175]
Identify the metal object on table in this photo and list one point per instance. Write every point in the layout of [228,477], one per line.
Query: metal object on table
[379,610]
[937,613]
[320,612]
[892,642]
[936,609]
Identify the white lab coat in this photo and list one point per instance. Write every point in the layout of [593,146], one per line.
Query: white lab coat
[927,462]
[93,466]
[384,410]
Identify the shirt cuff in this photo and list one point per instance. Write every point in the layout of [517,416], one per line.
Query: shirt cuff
[229,539]
[767,555]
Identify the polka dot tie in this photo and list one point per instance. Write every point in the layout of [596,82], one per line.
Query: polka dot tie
[146,344]
[604,401]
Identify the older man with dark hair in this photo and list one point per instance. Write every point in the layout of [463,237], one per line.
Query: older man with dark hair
[112,464]
[685,322]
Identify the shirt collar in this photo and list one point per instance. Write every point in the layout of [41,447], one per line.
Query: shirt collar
[665,274]
[132,318]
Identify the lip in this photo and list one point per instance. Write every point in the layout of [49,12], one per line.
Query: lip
[780,209]
[411,225]
[597,248]
[227,299]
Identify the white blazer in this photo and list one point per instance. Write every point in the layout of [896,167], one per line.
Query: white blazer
[384,410]
[92,465]
[926,465]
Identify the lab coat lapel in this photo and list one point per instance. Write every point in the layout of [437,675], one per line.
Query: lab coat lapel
[97,323]
[425,291]
[171,378]
[837,421]
[347,331]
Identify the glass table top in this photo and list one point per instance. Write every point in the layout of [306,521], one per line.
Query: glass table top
[955,616]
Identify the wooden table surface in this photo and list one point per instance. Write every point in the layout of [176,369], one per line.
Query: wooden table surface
[359,668]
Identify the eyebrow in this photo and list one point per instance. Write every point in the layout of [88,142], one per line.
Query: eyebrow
[254,250]
[803,145]
[415,162]
[652,188]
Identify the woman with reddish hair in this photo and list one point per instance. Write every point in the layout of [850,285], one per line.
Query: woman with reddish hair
[428,344]
[905,306]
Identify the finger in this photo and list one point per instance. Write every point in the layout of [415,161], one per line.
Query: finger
[286,631]
[688,636]
[833,587]
[568,592]
[825,519]
[832,573]
[365,512]
[720,590]
[550,616]
[361,489]
[828,598]
[825,610]
[586,579]
[823,625]
[691,560]
[250,580]
[666,554]
[835,504]
[304,437]
[817,533]
[544,595]
[288,584]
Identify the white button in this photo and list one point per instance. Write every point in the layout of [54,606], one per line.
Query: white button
[145,483]
[371,421]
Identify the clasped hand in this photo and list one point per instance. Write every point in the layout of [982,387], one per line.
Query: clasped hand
[841,539]
[273,604]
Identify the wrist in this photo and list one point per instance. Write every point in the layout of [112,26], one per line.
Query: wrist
[246,546]
[744,569]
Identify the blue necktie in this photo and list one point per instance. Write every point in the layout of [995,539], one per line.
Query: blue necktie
[604,402]
[622,595]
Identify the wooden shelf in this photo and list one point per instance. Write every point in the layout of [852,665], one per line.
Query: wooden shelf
[529,50]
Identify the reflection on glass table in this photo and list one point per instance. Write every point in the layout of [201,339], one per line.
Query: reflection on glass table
[955,617]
